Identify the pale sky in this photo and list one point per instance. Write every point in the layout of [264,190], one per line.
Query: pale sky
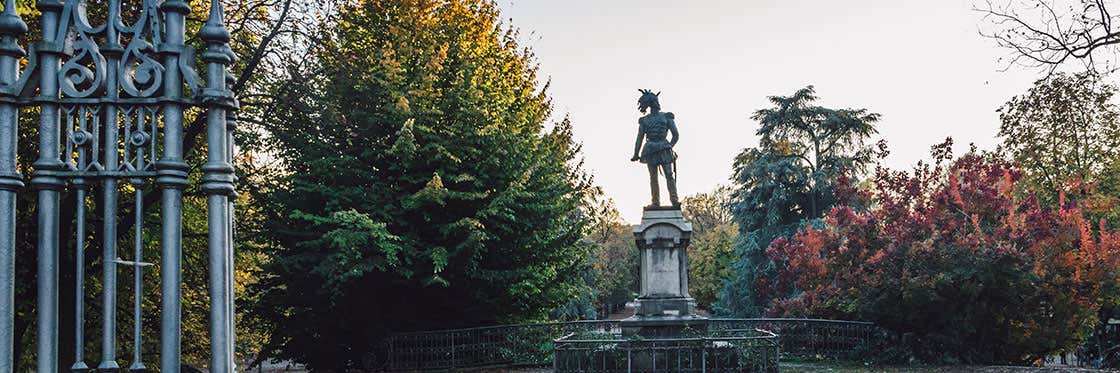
[919,63]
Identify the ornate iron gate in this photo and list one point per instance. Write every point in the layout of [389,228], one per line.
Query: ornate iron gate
[111,100]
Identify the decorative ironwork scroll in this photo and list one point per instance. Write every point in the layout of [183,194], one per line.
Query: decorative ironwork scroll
[110,101]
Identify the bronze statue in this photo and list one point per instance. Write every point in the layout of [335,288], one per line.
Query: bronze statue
[658,150]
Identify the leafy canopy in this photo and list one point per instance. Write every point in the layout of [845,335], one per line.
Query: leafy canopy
[711,252]
[804,153]
[955,264]
[1065,134]
[614,260]
[422,187]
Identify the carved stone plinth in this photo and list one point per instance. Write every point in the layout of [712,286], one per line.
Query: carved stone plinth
[664,305]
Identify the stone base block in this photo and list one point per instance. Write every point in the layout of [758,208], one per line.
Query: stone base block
[665,326]
[667,306]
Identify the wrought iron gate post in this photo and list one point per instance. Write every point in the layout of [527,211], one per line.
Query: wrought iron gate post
[172,179]
[112,50]
[217,183]
[79,365]
[47,182]
[11,28]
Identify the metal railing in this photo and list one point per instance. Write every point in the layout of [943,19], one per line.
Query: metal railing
[532,344]
[754,351]
[833,339]
[110,98]
[522,344]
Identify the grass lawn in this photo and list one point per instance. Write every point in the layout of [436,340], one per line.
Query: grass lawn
[805,367]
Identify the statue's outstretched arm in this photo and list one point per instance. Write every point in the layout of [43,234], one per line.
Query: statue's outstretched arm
[637,144]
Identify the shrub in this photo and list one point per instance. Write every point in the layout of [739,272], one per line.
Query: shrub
[953,263]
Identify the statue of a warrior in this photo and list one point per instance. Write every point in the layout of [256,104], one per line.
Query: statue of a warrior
[658,150]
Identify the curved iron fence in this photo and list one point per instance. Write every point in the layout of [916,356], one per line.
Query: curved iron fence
[833,339]
[504,345]
[754,351]
[533,344]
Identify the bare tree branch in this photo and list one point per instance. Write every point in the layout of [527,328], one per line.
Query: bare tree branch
[1048,34]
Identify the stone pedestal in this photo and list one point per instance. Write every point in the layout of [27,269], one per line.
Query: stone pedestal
[664,305]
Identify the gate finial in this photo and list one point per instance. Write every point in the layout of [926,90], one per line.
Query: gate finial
[11,28]
[10,23]
[215,29]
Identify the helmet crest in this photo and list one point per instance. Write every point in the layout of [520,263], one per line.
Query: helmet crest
[648,100]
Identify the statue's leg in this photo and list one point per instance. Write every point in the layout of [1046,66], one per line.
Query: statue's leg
[654,189]
[671,182]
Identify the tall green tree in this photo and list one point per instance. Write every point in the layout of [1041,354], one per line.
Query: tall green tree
[614,260]
[706,211]
[423,187]
[804,152]
[1064,132]
[711,252]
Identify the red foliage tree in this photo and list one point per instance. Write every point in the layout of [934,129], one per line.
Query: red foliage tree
[954,263]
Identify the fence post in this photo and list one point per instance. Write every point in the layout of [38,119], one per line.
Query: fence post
[109,196]
[171,180]
[703,360]
[217,183]
[46,181]
[11,27]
